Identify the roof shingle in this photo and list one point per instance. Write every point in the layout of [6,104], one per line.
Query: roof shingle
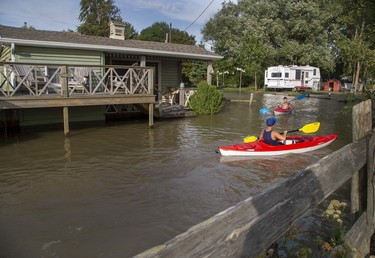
[76,40]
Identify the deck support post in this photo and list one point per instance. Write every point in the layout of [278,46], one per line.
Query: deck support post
[151,115]
[66,121]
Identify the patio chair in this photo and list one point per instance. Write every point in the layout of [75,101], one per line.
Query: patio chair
[30,78]
[77,81]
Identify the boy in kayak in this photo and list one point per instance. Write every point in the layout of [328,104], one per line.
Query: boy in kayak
[270,136]
[285,105]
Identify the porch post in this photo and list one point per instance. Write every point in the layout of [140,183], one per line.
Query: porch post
[65,94]
[210,71]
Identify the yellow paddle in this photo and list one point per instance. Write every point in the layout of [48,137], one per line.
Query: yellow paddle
[309,128]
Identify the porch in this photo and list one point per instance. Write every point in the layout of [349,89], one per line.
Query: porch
[25,85]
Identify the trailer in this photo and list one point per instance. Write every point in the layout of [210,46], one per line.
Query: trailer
[292,77]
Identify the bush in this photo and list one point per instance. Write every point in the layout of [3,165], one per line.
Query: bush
[206,100]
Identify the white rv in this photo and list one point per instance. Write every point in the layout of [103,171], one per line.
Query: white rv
[289,77]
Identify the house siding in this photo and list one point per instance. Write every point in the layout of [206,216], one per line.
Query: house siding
[40,116]
[58,56]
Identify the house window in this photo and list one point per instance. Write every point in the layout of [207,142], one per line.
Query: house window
[276,75]
[298,74]
[286,75]
[314,73]
[307,74]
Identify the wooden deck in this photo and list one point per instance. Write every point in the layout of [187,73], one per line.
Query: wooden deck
[24,85]
[46,101]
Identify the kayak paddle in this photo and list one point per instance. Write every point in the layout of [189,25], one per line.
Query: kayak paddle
[309,128]
[265,109]
[299,97]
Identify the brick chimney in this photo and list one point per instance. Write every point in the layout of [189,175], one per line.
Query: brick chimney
[116,30]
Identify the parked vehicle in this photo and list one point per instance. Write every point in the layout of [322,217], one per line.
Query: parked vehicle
[292,77]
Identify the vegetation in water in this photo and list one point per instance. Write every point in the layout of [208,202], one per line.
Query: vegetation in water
[206,100]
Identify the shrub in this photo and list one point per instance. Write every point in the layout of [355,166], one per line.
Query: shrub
[206,100]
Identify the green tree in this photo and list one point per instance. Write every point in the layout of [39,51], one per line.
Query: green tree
[159,30]
[356,39]
[95,16]
[194,71]
[206,100]
[130,31]
[254,34]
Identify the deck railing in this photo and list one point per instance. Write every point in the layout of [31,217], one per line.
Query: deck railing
[251,226]
[20,79]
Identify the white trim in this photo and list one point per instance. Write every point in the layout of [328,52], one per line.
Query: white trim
[140,51]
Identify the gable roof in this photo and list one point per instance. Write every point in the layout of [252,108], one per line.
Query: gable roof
[56,39]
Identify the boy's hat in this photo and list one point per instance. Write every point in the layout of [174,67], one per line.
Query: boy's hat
[271,121]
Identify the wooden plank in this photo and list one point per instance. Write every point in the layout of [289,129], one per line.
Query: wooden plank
[371,184]
[362,119]
[358,237]
[362,125]
[249,227]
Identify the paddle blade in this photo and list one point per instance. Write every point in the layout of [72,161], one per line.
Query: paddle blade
[299,97]
[310,128]
[250,139]
[263,110]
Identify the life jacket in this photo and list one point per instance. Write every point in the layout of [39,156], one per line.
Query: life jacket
[267,138]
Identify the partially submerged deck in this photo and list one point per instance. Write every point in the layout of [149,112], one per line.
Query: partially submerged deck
[49,85]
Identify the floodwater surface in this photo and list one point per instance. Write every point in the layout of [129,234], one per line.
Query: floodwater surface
[117,190]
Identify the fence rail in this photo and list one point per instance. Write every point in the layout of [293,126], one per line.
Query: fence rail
[20,79]
[251,226]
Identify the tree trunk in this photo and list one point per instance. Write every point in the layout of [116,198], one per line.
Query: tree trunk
[358,87]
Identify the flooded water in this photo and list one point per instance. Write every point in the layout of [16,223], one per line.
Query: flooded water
[117,190]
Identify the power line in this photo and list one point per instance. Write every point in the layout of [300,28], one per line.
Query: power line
[199,15]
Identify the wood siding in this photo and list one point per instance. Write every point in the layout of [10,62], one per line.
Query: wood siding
[58,56]
[33,116]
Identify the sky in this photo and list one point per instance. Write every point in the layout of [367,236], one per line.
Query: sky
[60,15]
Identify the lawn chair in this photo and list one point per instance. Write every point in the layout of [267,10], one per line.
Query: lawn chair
[29,78]
[79,79]
[77,82]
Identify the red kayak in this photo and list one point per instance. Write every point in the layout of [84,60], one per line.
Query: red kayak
[280,111]
[293,144]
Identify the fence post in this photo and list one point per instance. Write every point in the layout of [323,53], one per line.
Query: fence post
[358,237]
[362,125]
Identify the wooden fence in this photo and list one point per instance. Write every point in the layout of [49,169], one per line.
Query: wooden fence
[251,226]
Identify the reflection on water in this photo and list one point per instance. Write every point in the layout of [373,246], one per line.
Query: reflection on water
[117,190]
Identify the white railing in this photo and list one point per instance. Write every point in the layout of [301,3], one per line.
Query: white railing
[20,79]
